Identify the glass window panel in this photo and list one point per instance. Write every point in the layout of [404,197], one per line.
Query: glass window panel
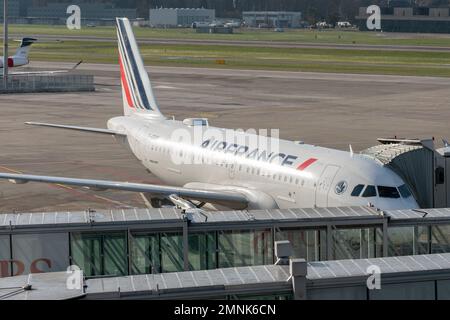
[404,191]
[86,253]
[100,254]
[145,253]
[202,251]
[347,244]
[388,192]
[40,252]
[401,241]
[306,244]
[244,248]
[370,191]
[357,190]
[172,252]
[421,240]
[440,239]
[115,254]
[374,241]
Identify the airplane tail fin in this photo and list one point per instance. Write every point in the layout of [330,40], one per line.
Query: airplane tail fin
[24,47]
[137,91]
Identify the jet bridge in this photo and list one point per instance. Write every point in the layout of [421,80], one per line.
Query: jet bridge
[416,162]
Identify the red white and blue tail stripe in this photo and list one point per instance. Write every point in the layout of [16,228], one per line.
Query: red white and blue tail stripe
[136,87]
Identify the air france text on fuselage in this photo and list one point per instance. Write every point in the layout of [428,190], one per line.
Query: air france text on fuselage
[247,152]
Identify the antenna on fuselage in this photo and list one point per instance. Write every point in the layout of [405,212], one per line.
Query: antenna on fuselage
[351,150]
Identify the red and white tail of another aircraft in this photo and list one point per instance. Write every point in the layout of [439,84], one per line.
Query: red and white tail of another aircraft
[221,167]
[20,58]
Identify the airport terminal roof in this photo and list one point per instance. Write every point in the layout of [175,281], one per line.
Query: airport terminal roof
[435,216]
[38,286]
[171,217]
[240,280]
[167,216]
[199,283]
[321,270]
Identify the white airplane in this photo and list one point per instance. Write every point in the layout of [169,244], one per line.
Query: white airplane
[20,58]
[228,172]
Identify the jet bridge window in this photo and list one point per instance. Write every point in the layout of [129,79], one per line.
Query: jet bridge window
[388,192]
[357,190]
[370,192]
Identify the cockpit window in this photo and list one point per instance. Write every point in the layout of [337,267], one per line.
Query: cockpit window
[404,191]
[388,192]
[369,192]
[357,190]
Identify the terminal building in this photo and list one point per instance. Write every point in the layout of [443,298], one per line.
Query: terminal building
[424,277]
[409,19]
[173,17]
[53,12]
[14,7]
[154,241]
[272,19]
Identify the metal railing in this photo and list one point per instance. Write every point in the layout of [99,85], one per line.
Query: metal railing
[25,83]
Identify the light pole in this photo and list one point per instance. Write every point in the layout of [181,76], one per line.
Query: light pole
[5,40]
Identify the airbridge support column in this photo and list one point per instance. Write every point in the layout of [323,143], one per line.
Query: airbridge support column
[298,269]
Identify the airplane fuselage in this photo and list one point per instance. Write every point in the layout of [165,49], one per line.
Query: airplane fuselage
[290,175]
[15,61]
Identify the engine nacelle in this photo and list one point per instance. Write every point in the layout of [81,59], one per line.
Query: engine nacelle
[256,199]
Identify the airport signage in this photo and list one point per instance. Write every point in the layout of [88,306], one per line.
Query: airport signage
[33,253]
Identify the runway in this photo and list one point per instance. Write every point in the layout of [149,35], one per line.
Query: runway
[332,110]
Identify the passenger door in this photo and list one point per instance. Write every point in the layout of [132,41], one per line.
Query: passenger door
[324,184]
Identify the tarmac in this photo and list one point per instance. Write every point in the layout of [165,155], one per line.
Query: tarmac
[331,110]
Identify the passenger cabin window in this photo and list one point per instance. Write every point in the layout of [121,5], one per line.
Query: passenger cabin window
[357,190]
[370,192]
[388,192]
[404,191]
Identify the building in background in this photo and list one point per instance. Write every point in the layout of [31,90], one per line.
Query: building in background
[13,8]
[172,17]
[45,12]
[278,19]
[88,11]
[409,19]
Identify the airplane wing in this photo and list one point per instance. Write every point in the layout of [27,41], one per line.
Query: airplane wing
[78,128]
[230,199]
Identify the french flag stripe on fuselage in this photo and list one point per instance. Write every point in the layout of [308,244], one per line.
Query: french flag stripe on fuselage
[306,164]
[140,93]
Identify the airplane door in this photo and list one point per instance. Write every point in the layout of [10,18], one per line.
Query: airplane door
[324,184]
